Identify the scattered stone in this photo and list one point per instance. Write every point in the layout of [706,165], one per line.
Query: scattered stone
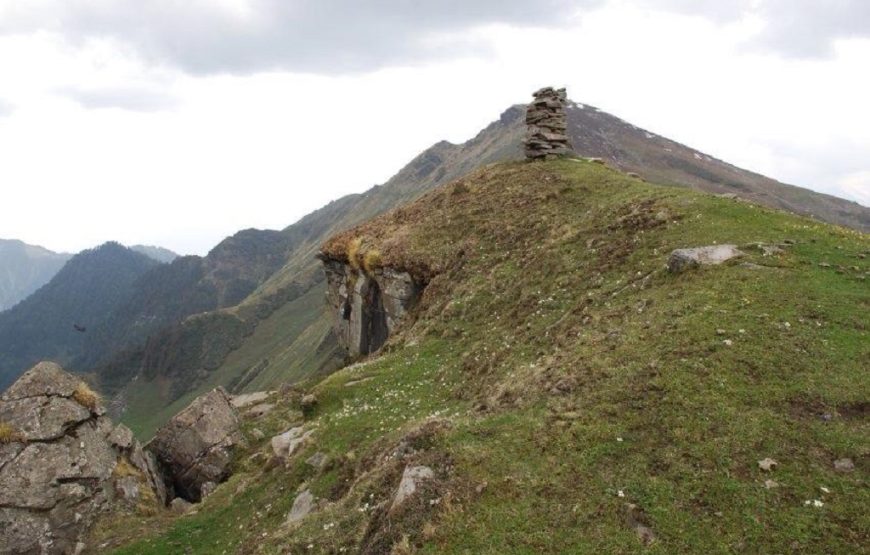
[546,133]
[844,465]
[727,195]
[411,478]
[767,464]
[727,342]
[317,460]
[684,259]
[196,446]
[771,484]
[180,506]
[302,505]
[284,445]
[257,433]
[247,399]
[638,521]
[634,175]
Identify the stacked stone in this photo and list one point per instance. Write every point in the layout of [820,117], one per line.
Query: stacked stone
[546,133]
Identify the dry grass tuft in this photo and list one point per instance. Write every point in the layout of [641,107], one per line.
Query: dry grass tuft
[372,260]
[124,469]
[402,547]
[353,249]
[86,397]
[8,434]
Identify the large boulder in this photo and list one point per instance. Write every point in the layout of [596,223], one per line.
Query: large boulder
[62,463]
[684,259]
[196,446]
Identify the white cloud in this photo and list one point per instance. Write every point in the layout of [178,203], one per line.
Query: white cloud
[857,186]
[105,144]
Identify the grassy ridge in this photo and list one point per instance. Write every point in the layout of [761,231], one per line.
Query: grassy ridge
[554,373]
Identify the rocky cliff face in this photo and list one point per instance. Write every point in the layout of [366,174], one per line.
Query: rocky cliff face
[62,463]
[367,305]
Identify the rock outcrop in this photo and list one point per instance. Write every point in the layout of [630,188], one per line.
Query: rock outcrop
[196,446]
[367,306]
[684,259]
[546,125]
[63,462]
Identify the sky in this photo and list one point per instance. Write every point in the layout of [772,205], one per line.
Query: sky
[178,123]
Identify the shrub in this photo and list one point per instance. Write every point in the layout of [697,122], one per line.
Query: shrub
[86,397]
[124,469]
[353,252]
[8,433]
[372,260]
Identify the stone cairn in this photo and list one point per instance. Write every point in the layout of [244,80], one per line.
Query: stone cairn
[546,125]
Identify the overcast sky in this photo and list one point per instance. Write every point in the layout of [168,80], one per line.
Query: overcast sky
[178,123]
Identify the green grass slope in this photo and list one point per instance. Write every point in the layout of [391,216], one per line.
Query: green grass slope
[572,396]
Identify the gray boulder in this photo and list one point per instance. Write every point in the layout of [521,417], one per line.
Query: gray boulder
[685,259]
[63,463]
[302,505]
[285,444]
[411,479]
[196,446]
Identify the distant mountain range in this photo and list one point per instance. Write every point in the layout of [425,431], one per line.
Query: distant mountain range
[24,269]
[159,254]
[250,314]
[53,322]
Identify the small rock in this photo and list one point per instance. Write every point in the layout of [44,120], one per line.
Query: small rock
[727,342]
[317,460]
[636,520]
[180,506]
[767,464]
[844,465]
[411,478]
[248,399]
[770,484]
[302,505]
[257,433]
[284,445]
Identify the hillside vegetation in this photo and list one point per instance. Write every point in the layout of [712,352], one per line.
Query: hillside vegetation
[569,394]
[263,358]
[43,326]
